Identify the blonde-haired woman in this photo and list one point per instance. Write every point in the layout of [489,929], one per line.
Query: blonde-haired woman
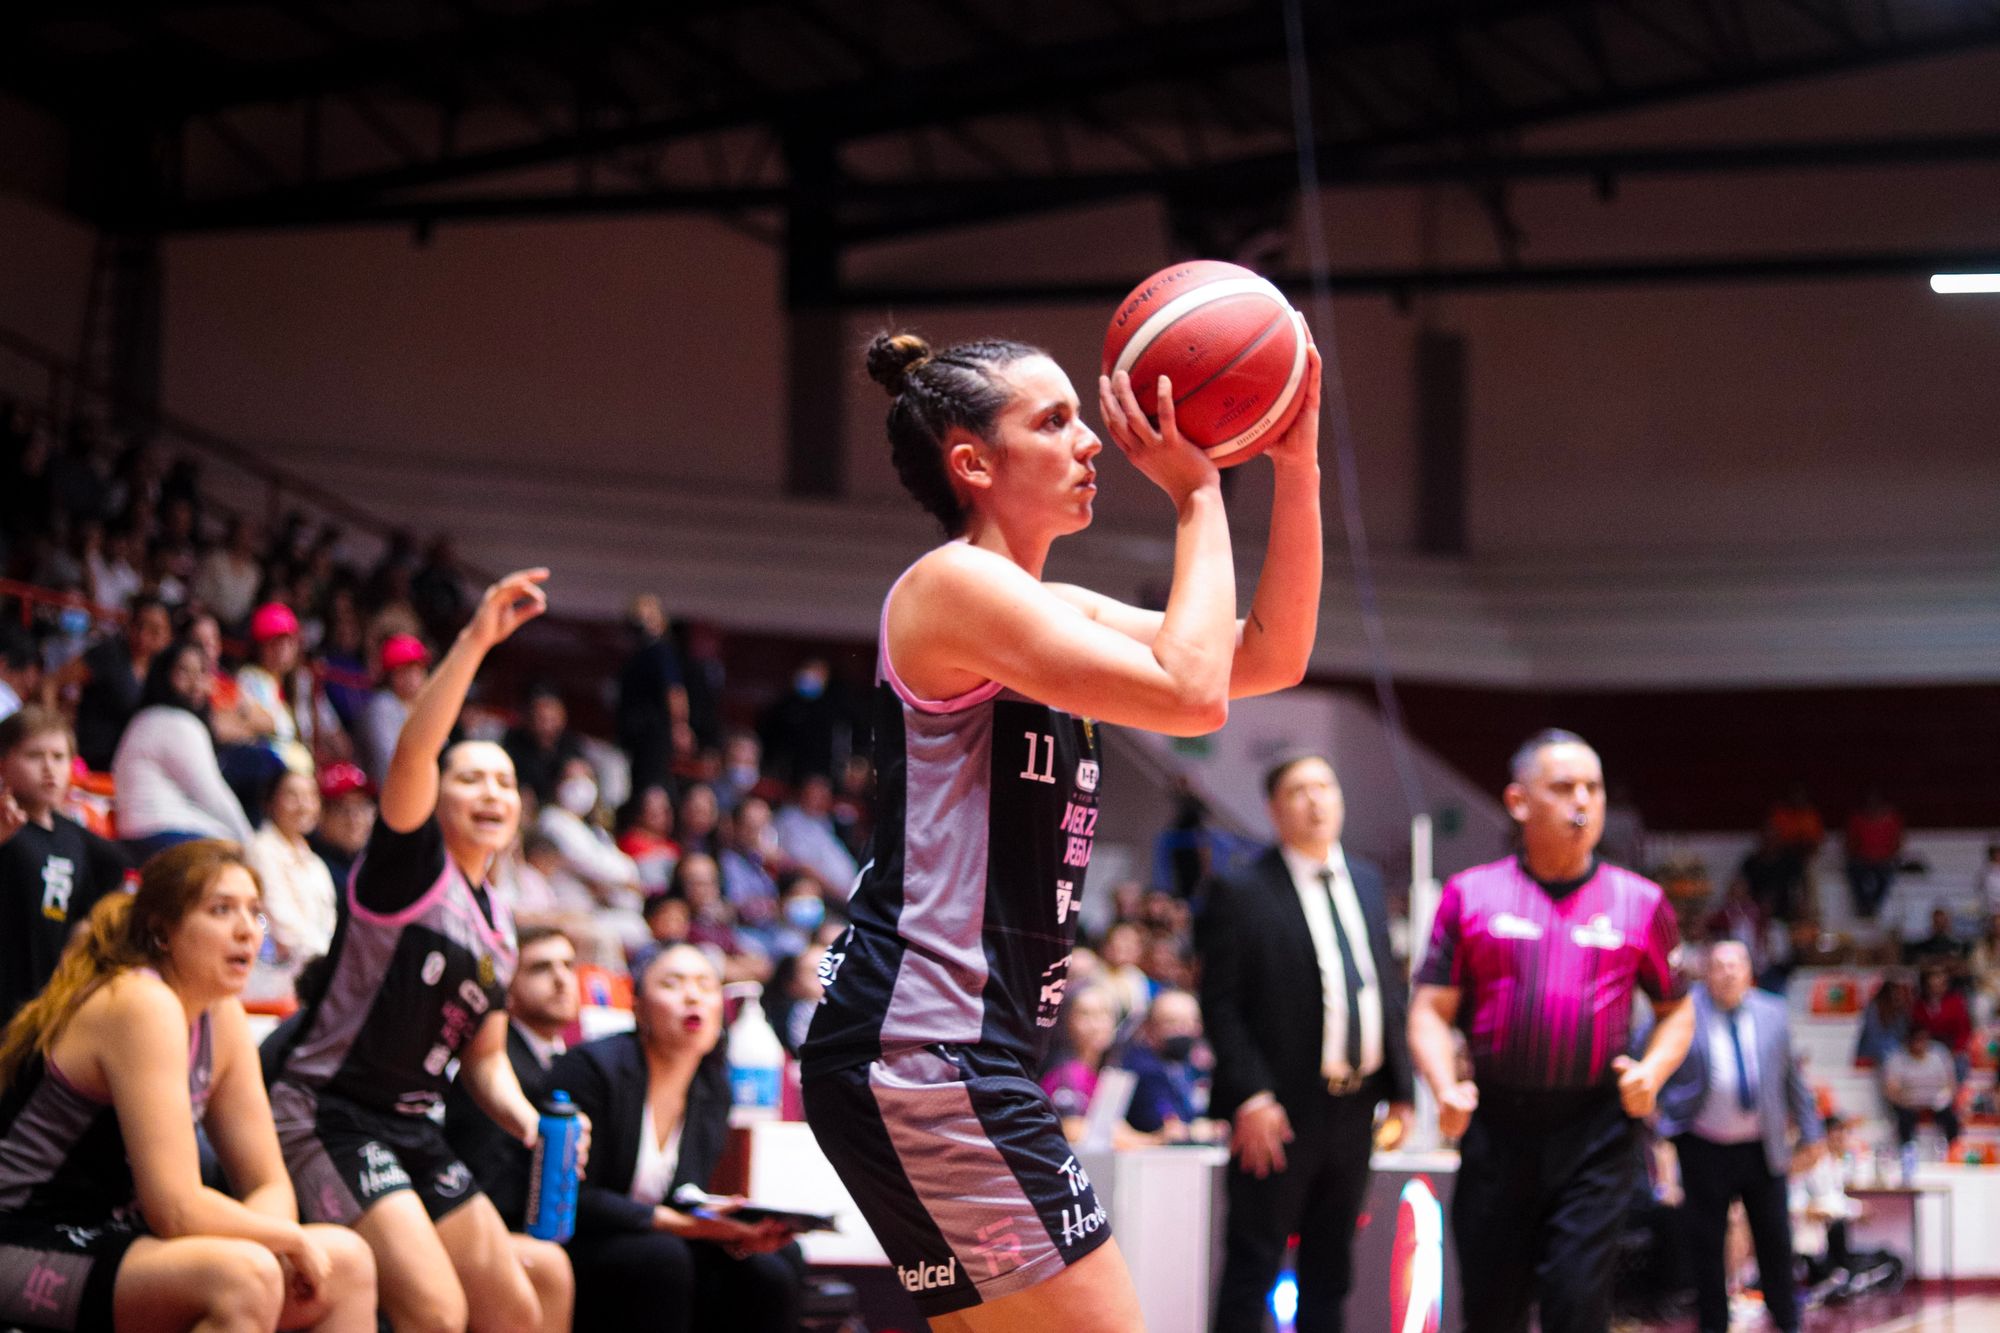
[138,1038]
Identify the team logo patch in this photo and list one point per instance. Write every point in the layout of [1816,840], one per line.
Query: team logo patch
[1599,934]
[1079,1223]
[829,965]
[1086,775]
[928,1277]
[1507,926]
[380,1172]
[433,967]
[999,1248]
[453,1181]
[1055,979]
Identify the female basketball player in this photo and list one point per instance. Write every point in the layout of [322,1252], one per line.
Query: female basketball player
[104,1221]
[417,978]
[919,1069]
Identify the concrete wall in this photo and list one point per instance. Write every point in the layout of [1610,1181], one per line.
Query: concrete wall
[44,254]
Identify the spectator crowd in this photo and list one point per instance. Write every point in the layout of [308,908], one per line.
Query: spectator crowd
[171,672]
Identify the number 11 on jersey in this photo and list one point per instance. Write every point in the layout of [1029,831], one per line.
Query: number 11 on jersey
[1042,746]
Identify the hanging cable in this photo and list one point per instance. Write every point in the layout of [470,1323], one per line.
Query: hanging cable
[1347,472]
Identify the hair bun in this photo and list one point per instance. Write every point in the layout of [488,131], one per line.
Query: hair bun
[892,356]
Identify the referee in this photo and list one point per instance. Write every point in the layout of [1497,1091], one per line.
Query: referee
[1536,957]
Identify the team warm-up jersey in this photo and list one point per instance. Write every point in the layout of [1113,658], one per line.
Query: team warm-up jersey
[62,1157]
[964,917]
[50,878]
[419,960]
[1546,972]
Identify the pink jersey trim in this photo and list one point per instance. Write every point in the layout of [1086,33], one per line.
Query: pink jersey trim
[496,932]
[408,914]
[70,1087]
[958,703]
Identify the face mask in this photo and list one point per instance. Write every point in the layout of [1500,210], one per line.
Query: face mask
[1176,1050]
[809,684]
[744,775]
[805,913]
[577,795]
[74,621]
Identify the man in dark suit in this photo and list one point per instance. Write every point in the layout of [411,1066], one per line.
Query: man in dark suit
[1305,1007]
[1730,1109]
[542,1002]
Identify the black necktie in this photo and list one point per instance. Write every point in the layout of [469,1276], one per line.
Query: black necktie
[1348,966]
[1746,1096]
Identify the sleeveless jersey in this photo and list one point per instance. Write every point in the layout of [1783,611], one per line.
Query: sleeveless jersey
[406,989]
[62,1157]
[964,916]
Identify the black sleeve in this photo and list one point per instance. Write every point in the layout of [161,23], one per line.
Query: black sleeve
[1240,1068]
[107,865]
[396,869]
[600,1209]
[19,908]
[669,665]
[1395,987]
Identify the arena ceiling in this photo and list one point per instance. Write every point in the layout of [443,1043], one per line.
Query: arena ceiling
[830,124]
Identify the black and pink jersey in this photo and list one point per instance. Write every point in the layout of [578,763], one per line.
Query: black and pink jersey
[62,1154]
[419,960]
[964,917]
[1546,972]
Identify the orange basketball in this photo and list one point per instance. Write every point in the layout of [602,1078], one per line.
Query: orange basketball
[1231,344]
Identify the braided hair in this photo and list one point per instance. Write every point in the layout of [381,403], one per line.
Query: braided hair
[935,392]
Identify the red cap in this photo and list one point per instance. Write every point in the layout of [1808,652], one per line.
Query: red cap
[338,780]
[273,620]
[401,650]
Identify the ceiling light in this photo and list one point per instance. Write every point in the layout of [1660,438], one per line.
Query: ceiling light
[1962,284]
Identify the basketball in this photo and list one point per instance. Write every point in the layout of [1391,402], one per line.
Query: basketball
[1231,344]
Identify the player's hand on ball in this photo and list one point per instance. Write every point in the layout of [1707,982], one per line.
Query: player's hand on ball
[1455,1107]
[1300,442]
[1638,1086]
[1162,453]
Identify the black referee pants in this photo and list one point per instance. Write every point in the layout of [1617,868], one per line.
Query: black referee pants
[1713,1175]
[1543,1184]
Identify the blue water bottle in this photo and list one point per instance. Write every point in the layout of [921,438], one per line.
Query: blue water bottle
[552,1177]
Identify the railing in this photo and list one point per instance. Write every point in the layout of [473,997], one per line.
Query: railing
[30,596]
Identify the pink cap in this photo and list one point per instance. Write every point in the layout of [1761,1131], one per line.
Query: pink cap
[273,620]
[338,780]
[401,650]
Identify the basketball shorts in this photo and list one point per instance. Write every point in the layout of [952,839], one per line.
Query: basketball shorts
[958,1162]
[343,1157]
[61,1276]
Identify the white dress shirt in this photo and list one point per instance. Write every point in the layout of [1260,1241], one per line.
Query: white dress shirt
[1721,1117]
[1313,898]
[544,1049]
[653,1172]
